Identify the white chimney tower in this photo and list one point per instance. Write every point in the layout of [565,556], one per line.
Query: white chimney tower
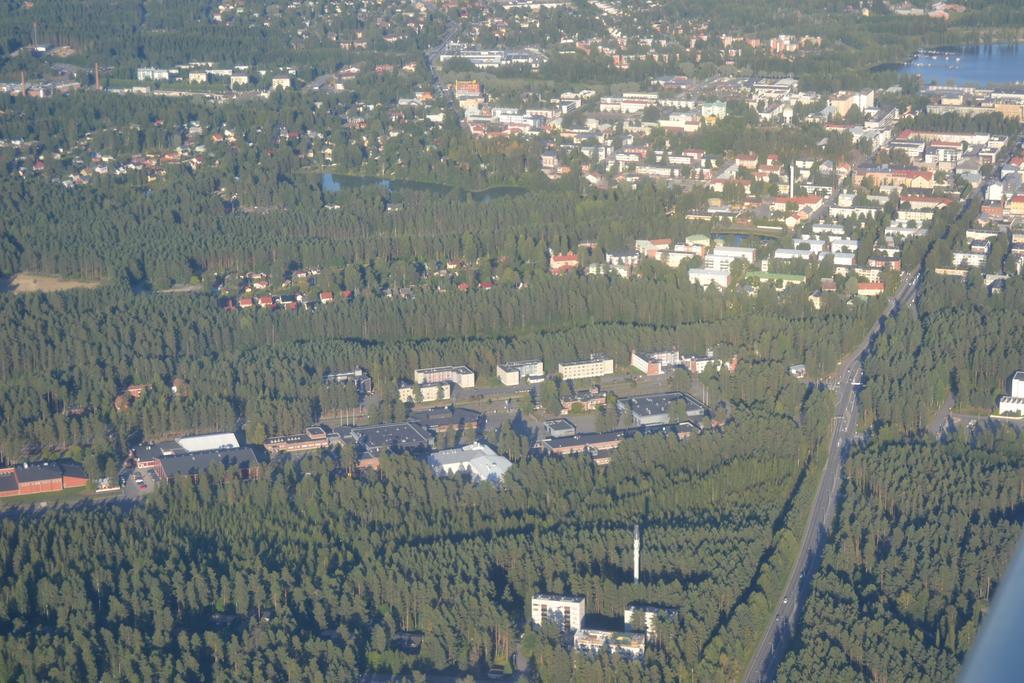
[636,553]
[791,179]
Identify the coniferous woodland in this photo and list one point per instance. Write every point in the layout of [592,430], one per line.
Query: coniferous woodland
[307,574]
[313,571]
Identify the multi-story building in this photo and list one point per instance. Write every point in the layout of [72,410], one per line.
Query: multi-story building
[424,393]
[721,258]
[650,615]
[1014,403]
[654,362]
[598,365]
[459,375]
[311,439]
[513,373]
[565,611]
[705,277]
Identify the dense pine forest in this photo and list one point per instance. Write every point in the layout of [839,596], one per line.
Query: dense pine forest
[307,574]
[923,536]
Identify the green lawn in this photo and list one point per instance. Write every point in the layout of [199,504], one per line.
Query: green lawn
[66,496]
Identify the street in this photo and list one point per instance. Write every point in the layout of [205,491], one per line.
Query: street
[844,426]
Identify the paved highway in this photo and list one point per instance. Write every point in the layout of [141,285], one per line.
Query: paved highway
[844,381]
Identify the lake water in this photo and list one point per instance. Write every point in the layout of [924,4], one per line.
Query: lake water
[331,183]
[979,65]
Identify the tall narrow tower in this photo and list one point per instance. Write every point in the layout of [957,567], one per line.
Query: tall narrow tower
[792,178]
[636,553]
[96,75]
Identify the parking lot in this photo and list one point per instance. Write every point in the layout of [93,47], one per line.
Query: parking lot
[140,482]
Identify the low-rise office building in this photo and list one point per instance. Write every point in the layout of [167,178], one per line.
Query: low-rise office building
[194,464]
[631,645]
[559,428]
[441,419]
[395,437]
[654,409]
[311,439]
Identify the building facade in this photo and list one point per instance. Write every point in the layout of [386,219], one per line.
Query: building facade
[459,375]
[598,365]
[565,611]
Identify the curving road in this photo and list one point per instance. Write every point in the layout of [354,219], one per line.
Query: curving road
[844,381]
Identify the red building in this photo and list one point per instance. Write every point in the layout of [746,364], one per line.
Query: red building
[41,477]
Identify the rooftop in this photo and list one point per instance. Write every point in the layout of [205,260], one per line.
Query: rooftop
[658,404]
[396,436]
[200,461]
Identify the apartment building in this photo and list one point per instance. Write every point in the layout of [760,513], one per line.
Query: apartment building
[566,611]
[515,372]
[459,375]
[598,365]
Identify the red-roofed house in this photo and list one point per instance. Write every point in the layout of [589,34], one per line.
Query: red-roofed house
[326,297]
[1015,205]
[564,263]
[870,289]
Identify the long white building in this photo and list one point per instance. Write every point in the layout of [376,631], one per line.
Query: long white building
[458,375]
[598,365]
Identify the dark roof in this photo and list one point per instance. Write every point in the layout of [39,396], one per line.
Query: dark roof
[658,404]
[445,417]
[8,482]
[200,461]
[70,468]
[588,439]
[398,436]
[591,438]
[38,471]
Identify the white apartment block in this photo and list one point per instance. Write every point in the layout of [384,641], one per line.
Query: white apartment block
[513,373]
[654,362]
[459,375]
[705,277]
[650,616]
[721,258]
[969,259]
[598,365]
[566,611]
[1014,403]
